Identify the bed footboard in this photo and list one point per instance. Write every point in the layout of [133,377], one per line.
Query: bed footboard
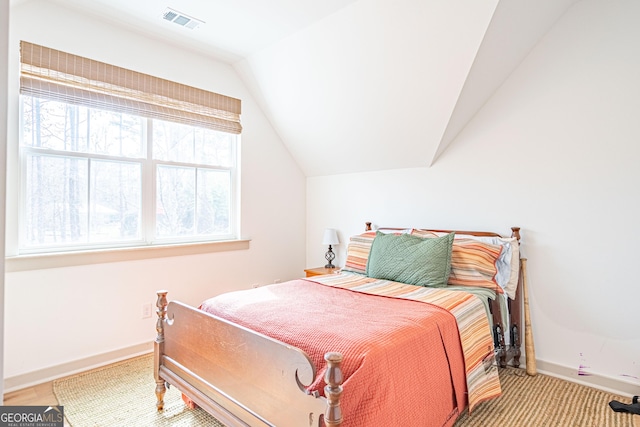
[239,376]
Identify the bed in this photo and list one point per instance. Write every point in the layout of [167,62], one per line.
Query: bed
[380,343]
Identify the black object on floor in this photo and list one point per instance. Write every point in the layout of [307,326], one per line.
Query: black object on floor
[632,408]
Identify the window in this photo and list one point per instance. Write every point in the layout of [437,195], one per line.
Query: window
[100,171]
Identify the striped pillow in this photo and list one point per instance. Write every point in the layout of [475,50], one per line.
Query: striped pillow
[358,252]
[473,263]
[508,264]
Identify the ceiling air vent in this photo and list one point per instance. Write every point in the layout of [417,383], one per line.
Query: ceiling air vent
[181,19]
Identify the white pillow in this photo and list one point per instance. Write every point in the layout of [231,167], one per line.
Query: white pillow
[395,231]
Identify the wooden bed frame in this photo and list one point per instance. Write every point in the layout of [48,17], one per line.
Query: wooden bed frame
[216,362]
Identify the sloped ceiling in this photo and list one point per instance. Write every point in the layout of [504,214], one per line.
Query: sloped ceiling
[355,85]
[389,84]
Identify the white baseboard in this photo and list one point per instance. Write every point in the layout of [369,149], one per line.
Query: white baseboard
[602,382]
[610,384]
[40,376]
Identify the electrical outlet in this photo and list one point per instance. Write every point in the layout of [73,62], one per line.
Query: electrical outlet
[146,310]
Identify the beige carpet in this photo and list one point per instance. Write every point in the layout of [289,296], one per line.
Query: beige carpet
[123,395]
[547,401]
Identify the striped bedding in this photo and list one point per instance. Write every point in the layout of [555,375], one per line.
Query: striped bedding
[475,333]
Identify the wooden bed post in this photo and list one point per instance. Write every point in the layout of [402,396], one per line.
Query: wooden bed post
[515,307]
[498,333]
[333,389]
[158,345]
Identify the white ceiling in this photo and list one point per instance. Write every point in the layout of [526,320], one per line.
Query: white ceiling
[355,85]
[233,29]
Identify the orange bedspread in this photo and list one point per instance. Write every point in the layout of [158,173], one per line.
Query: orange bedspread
[403,362]
[483,382]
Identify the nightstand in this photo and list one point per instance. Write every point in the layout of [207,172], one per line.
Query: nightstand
[321,270]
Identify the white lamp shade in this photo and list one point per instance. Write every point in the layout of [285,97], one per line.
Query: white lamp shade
[330,237]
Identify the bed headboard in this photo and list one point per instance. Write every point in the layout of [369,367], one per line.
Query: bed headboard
[515,231]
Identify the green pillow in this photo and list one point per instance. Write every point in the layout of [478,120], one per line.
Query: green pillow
[411,259]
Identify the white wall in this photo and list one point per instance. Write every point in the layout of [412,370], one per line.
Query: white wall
[4,68]
[65,315]
[556,152]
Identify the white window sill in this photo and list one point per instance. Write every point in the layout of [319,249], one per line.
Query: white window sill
[70,259]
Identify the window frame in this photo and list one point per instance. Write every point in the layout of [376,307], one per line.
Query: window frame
[148,238]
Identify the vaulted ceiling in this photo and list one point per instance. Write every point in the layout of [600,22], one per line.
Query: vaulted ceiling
[355,85]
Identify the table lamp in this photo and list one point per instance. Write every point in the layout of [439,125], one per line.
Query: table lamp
[330,238]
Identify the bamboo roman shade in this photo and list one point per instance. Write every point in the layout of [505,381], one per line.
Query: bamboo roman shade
[52,74]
